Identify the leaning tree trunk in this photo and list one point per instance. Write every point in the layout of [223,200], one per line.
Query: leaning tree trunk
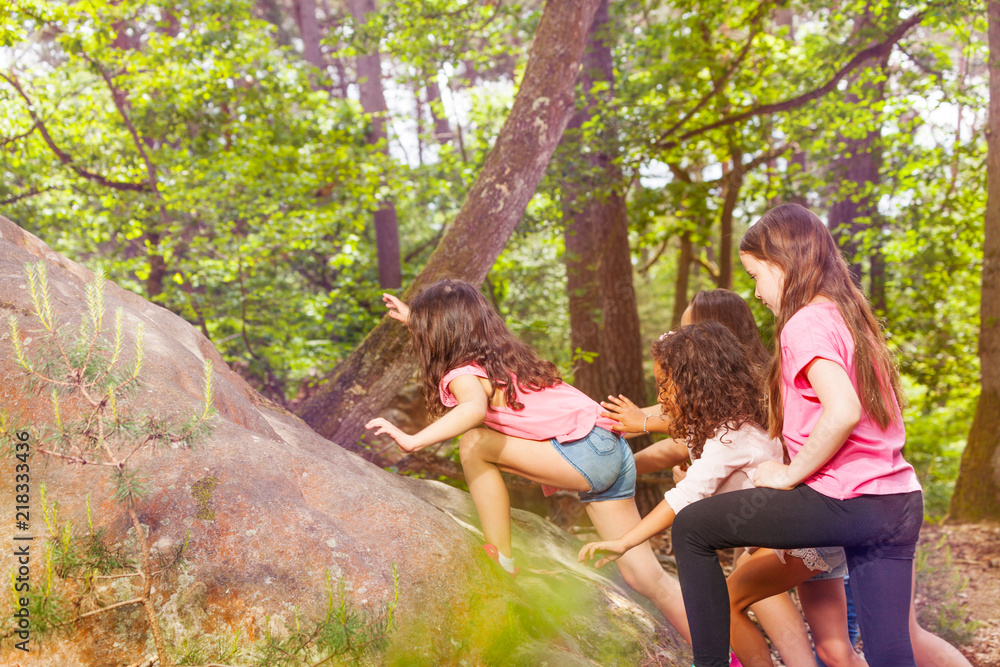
[372,374]
[977,491]
[369,66]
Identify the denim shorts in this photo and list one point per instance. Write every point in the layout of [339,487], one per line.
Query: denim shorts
[831,562]
[605,461]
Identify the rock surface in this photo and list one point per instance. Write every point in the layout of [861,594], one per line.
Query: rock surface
[269,509]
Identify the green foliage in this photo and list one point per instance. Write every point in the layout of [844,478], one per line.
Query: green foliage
[940,588]
[346,633]
[235,185]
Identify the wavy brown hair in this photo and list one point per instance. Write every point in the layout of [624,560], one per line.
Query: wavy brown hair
[452,325]
[795,240]
[709,383]
[729,308]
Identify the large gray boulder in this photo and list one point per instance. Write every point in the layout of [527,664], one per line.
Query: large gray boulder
[272,513]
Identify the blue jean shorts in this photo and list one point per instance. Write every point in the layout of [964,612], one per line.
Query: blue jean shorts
[605,461]
[831,562]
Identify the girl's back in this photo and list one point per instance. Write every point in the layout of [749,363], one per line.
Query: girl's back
[560,411]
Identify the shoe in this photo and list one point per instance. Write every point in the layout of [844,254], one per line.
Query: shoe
[494,553]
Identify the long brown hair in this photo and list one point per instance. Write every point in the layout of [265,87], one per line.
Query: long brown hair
[452,325]
[795,240]
[729,308]
[709,383]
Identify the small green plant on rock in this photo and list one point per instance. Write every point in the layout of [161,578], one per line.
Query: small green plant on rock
[89,383]
[344,634]
[88,386]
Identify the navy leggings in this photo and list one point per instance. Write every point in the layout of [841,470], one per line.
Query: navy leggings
[878,533]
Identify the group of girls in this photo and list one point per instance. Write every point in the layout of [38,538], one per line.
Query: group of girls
[847,499]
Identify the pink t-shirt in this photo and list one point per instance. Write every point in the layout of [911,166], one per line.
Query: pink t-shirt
[562,411]
[727,463]
[871,460]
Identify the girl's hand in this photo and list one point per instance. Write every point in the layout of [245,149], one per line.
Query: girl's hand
[772,475]
[612,550]
[397,309]
[625,412]
[679,474]
[404,441]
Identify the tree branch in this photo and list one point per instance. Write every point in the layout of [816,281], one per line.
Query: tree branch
[65,157]
[10,140]
[724,79]
[24,195]
[872,52]
[708,265]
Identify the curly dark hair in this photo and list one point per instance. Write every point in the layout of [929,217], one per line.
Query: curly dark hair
[709,383]
[452,325]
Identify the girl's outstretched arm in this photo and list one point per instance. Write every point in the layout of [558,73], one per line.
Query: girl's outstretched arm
[661,518]
[661,455]
[633,420]
[718,461]
[841,413]
[468,414]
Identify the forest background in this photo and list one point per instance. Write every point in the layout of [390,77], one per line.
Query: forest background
[267,168]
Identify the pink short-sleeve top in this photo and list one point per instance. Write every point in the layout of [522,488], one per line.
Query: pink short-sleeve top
[562,411]
[871,460]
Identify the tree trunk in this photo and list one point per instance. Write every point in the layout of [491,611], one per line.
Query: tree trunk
[785,17]
[390,275]
[587,211]
[305,16]
[604,316]
[685,256]
[977,491]
[373,373]
[858,166]
[734,181]
[419,105]
[442,129]
[272,13]
[582,288]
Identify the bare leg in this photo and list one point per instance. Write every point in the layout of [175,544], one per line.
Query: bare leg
[781,620]
[639,567]
[824,604]
[484,453]
[762,576]
[929,649]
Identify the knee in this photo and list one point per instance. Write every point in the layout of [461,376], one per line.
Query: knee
[646,579]
[469,445]
[737,601]
[684,533]
[836,654]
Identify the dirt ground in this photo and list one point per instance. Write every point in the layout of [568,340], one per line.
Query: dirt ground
[975,556]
